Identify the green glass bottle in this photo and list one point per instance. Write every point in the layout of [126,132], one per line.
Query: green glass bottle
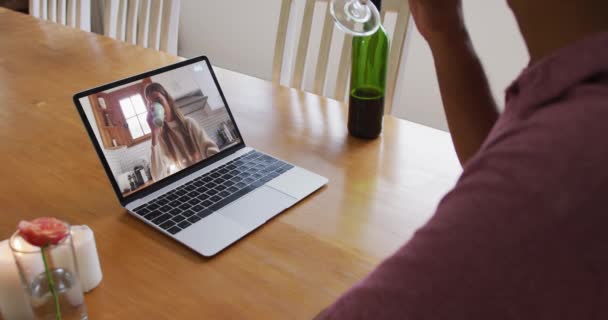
[368,83]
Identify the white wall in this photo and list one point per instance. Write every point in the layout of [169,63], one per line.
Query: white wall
[240,35]
[235,34]
[498,43]
[243,36]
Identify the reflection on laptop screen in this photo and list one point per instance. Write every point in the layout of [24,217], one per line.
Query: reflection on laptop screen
[157,126]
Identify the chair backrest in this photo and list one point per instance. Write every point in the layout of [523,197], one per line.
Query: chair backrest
[400,7]
[148,23]
[73,13]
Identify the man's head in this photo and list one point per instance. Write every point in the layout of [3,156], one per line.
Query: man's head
[548,25]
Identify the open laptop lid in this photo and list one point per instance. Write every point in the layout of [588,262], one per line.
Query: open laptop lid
[155,128]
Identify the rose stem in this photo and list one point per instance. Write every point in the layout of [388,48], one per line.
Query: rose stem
[51,283]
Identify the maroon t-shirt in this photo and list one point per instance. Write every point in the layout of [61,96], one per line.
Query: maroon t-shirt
[524,234]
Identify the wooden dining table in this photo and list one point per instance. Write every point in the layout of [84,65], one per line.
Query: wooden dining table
[379,192]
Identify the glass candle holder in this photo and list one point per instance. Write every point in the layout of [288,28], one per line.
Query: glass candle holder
[55,293]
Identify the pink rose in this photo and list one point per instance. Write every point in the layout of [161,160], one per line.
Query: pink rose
[43,231]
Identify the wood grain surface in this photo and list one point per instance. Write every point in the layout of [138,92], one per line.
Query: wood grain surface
[379,192]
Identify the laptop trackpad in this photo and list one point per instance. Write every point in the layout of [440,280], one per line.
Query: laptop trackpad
[211,234]
[256,208]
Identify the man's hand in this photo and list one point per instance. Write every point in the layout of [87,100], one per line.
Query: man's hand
[469,106]
[438,19]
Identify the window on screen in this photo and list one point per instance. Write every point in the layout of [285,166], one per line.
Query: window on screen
[135,113]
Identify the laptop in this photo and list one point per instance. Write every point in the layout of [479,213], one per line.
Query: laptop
[178,162]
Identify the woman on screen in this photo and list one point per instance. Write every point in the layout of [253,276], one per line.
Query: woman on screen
[177,141]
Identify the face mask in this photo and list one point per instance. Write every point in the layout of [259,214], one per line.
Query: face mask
[159,115]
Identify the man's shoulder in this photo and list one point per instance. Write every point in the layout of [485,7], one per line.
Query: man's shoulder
[580,114]
[577,116]
[550,146]
[592,93]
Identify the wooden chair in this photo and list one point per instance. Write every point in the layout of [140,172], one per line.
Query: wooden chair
[400,7]
[73,13]
[148,23]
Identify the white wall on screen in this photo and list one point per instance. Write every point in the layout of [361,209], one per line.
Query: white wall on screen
[205,82]
[185,80]
[178,82]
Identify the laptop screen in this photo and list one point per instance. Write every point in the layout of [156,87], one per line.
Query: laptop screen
[159,125]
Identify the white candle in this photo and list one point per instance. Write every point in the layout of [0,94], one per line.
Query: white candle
[14,302]
[63,257]
[87,258]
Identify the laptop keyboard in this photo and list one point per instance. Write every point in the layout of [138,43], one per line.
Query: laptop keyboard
[180,208]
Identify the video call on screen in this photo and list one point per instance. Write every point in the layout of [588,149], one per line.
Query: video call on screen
[157,126]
